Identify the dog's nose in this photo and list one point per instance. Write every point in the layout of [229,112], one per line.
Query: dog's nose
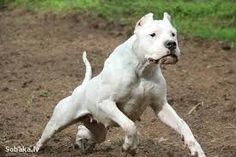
[170,44]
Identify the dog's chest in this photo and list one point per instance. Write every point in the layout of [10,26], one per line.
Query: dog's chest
[138,99]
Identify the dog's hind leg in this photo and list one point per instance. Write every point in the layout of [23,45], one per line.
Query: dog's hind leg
[67,111]
[89,134]
[64,114]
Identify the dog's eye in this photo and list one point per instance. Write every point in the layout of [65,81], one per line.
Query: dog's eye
[173,34]
[153,34]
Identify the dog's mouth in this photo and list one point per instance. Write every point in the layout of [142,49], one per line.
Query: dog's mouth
[167,59]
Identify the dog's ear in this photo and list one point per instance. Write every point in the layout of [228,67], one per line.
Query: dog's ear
[166,16]
[144,20]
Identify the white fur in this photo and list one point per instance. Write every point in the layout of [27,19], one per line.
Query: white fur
[88,73]
[128,83]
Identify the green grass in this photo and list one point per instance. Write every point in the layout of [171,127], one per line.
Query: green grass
[210,19]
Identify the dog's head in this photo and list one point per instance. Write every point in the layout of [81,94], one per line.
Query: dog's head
[157,39]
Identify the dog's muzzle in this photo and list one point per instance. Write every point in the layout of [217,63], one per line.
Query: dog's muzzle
[170,57]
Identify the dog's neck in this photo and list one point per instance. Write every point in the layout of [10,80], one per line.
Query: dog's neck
[144,68]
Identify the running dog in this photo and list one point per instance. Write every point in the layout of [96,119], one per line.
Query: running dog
[130,81]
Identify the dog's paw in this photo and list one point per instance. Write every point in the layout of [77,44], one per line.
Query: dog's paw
[84,140]
[132,152]
[85,145]
[130,145]
[194,148]
[38,146]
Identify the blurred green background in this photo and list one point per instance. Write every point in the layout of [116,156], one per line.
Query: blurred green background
[209,19]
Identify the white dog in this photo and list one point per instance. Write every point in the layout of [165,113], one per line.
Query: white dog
[130,81]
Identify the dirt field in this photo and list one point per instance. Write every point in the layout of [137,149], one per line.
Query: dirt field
[40,63]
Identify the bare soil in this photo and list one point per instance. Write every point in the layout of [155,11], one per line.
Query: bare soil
[40,63]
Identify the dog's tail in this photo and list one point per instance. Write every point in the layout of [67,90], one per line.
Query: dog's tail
[88,72]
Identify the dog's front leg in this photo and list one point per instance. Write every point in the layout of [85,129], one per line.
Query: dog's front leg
[111,111]
[168,116]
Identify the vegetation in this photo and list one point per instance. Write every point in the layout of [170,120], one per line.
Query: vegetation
[211,19]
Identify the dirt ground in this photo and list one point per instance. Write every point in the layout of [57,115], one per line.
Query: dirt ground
[40,63]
